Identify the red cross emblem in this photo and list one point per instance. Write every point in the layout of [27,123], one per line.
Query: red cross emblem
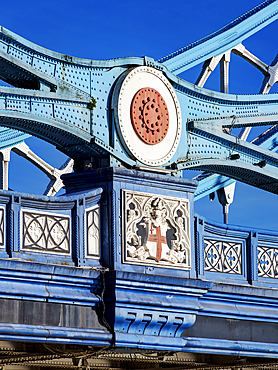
[159,239]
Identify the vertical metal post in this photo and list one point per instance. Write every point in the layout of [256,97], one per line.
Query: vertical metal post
[225,213]
[224,73]
[4,168]
[226,197]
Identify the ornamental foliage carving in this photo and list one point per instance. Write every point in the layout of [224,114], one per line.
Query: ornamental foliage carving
[156,230]
[47,233]
[221,256]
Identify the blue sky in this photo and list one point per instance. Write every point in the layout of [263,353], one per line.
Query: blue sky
[108,29]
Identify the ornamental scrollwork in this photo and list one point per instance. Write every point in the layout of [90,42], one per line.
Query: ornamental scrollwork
[156,230]
[47,233]
[267,262]
[222,256]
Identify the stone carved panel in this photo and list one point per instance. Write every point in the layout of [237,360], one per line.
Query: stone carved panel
[47,233]
[93,232]
[156,230]
[267,262]
[221,256]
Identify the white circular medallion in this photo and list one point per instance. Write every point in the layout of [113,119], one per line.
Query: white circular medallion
[133,129]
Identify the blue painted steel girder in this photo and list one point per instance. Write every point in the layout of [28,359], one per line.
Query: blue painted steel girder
[10,138]
[211,182]
[223,39]
[63,118]
[62,111]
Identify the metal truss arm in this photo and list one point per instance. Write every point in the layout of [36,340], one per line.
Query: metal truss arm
[222,40]
[235,158]
[211,182]
[53,173]
[208,67]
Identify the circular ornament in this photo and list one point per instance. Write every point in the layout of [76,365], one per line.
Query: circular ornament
[147,115]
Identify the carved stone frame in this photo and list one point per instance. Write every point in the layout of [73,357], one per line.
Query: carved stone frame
[138,209]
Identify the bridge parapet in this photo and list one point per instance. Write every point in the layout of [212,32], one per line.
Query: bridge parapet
[122,256]
[51,230]
[235,253]
[107,218]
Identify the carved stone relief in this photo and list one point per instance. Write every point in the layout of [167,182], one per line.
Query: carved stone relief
[156,230]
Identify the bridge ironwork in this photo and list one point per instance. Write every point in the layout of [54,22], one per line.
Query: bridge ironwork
[119,269]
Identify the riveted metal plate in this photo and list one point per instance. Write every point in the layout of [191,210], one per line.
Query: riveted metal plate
[150,149]
[149,115]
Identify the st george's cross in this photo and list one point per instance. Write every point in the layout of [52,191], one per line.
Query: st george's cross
[157,226]
[157,238]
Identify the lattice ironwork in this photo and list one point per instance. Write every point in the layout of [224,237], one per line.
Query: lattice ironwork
[93,232]
[46,233]
[268,262]
[222,256]
[2,227]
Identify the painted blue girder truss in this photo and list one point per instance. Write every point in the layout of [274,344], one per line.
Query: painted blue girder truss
[209,182]
[10,137]
[54,99]
[223,39]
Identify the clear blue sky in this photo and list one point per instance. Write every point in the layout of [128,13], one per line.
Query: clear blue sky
[108,29]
